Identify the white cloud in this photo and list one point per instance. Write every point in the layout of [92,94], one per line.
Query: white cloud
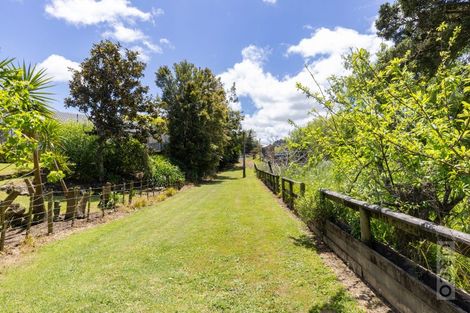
[270,1]
[124,34]
[276,99]
[89,12]
[152,47]
[119,18]
[58,67]
[166,42]
[324,41]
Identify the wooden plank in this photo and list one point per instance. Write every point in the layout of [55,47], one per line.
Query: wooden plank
[416,226]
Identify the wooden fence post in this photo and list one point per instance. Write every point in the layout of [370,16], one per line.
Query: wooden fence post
[131,191]
[123,193]
[366,235]
[302,189]
[291,194]
[283,190]
[90,193]
[50,202]
[3,223]
[76,194]
[30,214]
[56,211]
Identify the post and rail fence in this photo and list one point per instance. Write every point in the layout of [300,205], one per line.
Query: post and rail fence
[63,208]
[405,284]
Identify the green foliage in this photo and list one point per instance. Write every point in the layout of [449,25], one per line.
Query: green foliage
[108,89]
[164,173]
[80,147]
[398,138]
[196,108]
[123,158]
[234,144]
[26,124]
[413,25]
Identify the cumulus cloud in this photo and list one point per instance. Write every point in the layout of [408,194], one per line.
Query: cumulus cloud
[58,67]
[119,18]
[124,34]
[90,12]
[324,41]
[277,99]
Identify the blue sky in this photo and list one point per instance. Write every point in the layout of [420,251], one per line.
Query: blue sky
[261,45]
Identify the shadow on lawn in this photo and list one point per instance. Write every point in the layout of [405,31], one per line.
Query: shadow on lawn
[310,242]
[339,303]
[219,179]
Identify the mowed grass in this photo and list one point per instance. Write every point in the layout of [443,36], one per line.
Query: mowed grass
[226,246]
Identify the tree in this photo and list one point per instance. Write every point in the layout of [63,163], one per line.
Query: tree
[25,119]
[413,25]
[108,89]
[197,113]
[233,147]
[399,138]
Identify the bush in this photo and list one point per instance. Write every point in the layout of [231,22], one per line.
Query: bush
[170,192]
[164,173]
[122,159]
[79,146]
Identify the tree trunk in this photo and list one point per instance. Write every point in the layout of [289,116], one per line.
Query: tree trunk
[38,200]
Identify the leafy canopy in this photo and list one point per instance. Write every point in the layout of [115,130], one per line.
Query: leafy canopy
[400,138]
[196,109]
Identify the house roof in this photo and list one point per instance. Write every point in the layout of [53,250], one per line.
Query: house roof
[70,117]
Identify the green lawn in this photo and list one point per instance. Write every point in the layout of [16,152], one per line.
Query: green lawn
[221,247]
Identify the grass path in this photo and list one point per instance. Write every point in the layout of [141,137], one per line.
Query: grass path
[221,247]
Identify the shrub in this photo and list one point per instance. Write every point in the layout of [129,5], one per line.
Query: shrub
[164,173]
[122,158]
[80,147]
[170,192]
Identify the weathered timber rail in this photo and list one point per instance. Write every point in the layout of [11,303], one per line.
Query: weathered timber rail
[405,284]
[283,185]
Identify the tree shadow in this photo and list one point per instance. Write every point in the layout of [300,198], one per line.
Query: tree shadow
[339,303]
[219,179]
[310,242]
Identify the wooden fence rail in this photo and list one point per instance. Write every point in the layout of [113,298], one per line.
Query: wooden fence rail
[283,185]
[409,224]
[405,284]
[270,180]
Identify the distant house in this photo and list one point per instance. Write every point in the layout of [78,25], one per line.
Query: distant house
[65,117]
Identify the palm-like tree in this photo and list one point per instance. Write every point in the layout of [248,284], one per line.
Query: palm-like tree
[24,110]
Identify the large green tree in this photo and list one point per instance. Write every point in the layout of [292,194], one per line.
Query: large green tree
[108,89]
[399,138]
[197,113]
[413,25]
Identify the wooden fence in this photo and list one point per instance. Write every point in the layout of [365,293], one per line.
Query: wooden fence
[286,186]
[63,208]
[405,284]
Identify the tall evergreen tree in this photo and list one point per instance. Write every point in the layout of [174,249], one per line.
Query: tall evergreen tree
[197,112]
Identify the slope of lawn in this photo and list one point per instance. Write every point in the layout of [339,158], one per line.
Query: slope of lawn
[226,246]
